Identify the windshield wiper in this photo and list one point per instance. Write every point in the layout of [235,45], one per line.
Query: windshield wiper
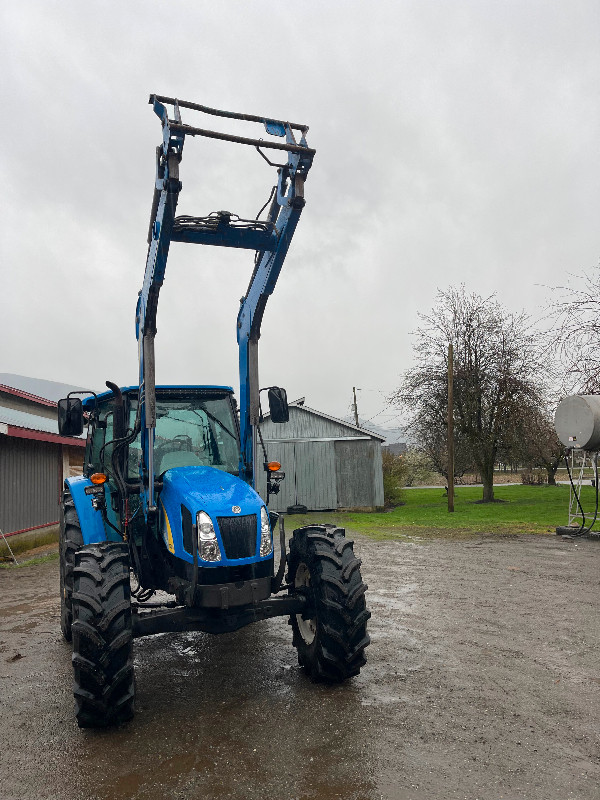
[215,419]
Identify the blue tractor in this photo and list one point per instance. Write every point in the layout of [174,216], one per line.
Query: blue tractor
[167,500]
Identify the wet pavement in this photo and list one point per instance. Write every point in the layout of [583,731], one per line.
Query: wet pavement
[483,681]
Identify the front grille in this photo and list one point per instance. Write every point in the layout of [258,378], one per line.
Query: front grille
[239,535]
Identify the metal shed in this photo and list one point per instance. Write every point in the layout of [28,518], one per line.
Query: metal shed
[328,463]
[34,459]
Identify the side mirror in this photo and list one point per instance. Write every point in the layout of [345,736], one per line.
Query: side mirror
[278,405]
[70,416]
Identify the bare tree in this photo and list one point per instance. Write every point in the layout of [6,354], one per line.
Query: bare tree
[497,371]
[577,334]
[537,443]
[430,430]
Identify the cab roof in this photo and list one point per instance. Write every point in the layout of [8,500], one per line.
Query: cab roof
[88,401]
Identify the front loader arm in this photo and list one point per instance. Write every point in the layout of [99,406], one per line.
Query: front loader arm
[284,214]
[269,239]
[166,194]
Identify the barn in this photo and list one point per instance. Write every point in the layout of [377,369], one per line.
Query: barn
[328,463]
[34,459]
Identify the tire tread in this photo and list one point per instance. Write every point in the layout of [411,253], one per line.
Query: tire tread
[70,540]
[338,595]
[104,688]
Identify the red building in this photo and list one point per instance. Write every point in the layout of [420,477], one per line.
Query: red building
[34,459]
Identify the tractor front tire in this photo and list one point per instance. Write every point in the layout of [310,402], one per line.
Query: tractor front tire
[331,638]
[70,540]
[104,687]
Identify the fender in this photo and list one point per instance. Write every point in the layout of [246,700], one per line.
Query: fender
[92,525]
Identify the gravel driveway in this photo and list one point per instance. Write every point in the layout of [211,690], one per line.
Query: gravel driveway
[483,681]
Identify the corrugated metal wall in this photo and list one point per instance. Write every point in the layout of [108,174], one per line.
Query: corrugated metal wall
[327,465]
[30,477]
[309,475]
[354,462]
[315,475]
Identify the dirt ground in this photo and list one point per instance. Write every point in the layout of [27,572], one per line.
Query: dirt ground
[483,681]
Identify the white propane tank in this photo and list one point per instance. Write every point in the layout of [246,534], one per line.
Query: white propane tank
[577,421]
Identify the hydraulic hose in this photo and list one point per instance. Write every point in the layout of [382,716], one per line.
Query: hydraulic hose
[582,530]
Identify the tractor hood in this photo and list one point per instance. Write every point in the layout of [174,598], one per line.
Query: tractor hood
[233,506]
[211,490]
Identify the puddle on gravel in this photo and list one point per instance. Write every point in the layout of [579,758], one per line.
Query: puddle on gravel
[26,626]
[397,600]
[21,608]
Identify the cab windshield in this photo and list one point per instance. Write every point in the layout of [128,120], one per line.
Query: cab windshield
[192,431]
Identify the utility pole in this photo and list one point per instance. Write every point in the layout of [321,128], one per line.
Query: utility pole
[355,408]
[450,427]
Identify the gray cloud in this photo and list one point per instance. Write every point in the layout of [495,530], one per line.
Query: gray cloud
[456,142]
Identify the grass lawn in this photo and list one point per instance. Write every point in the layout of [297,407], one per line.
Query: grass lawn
[527,509]
[23,561]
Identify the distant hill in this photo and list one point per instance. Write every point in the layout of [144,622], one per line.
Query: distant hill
[50,390]
[391,435]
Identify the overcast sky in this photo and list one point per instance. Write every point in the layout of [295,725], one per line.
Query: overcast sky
[457,142]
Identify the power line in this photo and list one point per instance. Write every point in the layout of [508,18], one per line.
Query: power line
[379,412]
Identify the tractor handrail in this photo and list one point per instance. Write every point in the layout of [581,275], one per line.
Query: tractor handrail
[228,137]
[173,101]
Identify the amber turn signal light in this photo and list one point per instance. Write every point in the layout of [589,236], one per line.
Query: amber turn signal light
[98,478]
[273,466]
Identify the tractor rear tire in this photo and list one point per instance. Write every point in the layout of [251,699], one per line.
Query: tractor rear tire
[322,565]
[70,540]
[104,687]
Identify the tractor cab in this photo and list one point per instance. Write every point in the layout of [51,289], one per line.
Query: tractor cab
[195,426]
[200,497]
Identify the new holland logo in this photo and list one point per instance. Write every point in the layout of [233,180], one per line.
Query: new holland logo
[236,509]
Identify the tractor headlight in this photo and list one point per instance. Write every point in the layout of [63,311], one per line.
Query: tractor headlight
[266,542]
[208,546]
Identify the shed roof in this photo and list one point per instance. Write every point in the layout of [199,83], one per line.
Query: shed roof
[30,425]
[352,429]
[23,425]
[37,387]
[33,398]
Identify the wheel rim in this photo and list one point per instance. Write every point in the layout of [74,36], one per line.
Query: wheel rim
[306,627]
